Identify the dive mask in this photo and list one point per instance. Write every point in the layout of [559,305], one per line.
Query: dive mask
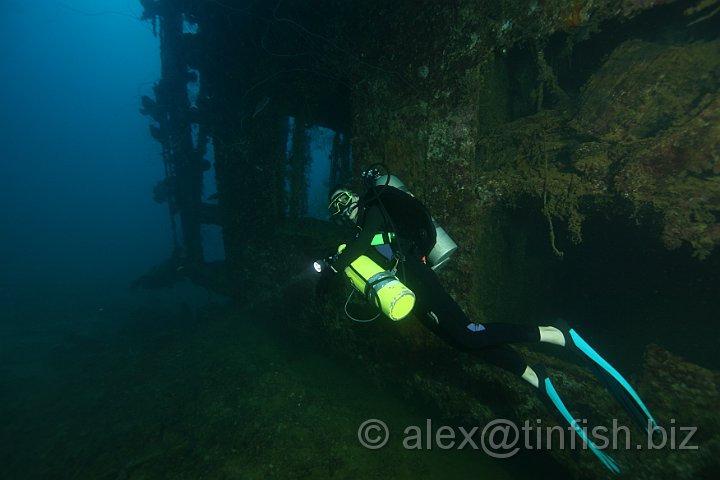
[340,202]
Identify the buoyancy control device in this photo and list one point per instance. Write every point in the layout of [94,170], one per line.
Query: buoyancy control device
[444,246]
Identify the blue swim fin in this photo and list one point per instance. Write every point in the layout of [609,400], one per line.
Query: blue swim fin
[551,397]
[623,392]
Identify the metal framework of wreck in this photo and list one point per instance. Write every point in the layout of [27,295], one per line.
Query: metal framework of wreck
[219,86]
[532,130]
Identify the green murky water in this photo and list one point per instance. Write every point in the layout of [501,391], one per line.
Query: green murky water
[186,394]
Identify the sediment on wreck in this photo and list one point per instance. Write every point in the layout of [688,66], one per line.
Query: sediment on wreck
[570,148]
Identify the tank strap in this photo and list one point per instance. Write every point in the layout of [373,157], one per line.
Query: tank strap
[380,279]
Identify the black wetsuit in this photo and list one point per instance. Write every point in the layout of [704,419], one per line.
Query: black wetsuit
[434,307]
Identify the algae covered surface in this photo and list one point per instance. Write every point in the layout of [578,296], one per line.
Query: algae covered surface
[199,393]
[571,148]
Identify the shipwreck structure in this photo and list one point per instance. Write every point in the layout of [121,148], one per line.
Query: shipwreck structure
[570,147]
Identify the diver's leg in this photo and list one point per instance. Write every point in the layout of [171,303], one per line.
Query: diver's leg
[438,311]
[503,356]
[447,320]
[530,376]
[550,334]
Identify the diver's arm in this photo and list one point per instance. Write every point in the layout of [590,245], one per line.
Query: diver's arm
[373,224]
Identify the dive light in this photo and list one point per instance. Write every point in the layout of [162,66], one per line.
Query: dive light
[323,264]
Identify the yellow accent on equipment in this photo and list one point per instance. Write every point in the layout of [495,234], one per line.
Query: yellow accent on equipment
[380,287]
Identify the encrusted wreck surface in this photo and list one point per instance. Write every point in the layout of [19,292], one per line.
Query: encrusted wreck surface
[519,123]
[464,391]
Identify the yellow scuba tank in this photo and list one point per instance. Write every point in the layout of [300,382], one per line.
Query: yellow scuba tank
[380,287]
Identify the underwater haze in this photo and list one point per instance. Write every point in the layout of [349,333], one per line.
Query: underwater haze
[77,164]
[103,381]
[223,222]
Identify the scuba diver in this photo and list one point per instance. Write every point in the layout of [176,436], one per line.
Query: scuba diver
[392,262]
